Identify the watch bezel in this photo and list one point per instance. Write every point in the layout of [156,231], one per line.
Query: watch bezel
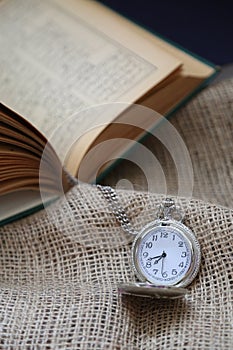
[194,247]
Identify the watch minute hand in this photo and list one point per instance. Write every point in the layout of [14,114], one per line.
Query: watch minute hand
[162,267]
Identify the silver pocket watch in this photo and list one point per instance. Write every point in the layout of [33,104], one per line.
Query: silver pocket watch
[166,255]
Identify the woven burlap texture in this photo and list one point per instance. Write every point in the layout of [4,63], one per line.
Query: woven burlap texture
[60,269]
[206,125]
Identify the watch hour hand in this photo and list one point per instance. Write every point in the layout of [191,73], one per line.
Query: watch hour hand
[155,257]
[156,261]
[159,257]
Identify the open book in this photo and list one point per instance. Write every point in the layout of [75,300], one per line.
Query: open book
[59,58]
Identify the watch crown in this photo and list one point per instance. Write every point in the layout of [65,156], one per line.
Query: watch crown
[169,210]
[168,202]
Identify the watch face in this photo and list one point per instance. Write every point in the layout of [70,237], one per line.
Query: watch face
[166,253]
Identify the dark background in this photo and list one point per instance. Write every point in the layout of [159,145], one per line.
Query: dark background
[204,28]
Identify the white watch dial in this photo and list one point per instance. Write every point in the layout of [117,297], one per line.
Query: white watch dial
[164,255]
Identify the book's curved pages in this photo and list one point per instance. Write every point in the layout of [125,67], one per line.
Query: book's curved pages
[21,149]
[61,57]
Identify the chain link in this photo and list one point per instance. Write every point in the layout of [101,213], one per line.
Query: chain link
[167,210]
[119,212]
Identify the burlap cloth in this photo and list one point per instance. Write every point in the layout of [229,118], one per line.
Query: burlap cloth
[60,267]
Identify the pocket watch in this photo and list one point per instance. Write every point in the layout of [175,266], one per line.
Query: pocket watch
[166,255]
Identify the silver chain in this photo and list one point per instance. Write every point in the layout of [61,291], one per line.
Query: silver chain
[119,212]
[166,211]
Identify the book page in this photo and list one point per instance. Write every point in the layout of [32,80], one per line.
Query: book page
[60,57]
